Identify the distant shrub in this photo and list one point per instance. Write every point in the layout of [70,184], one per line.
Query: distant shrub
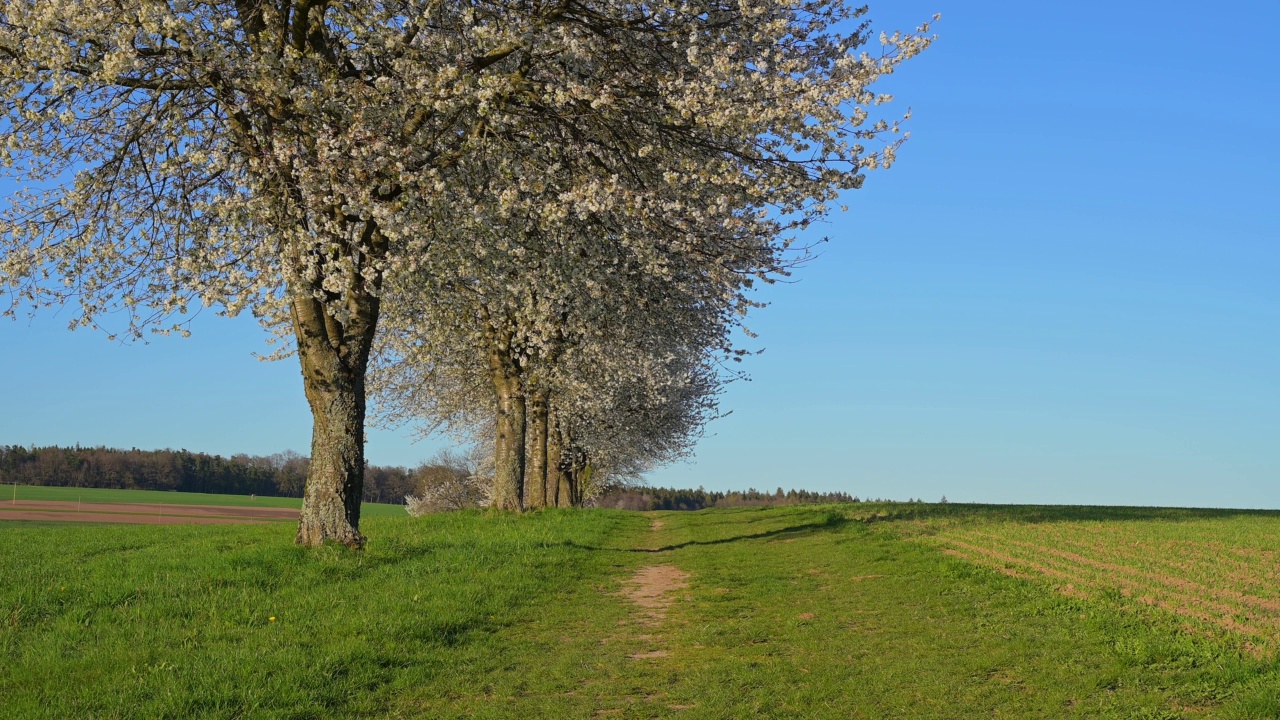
[450,481]
[451,493]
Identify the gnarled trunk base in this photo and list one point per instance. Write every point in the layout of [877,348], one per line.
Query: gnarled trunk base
[334,358]
[335,482]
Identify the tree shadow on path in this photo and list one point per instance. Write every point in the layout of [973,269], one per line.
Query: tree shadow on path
[831,520]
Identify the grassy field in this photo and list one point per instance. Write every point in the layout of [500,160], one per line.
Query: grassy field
[102,495]
[858,611]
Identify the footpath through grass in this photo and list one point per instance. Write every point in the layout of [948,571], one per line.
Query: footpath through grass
[814,612]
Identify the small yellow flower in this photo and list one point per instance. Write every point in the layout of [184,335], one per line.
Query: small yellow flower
[271,619]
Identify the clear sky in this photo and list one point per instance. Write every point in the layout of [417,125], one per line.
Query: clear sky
[1066,291]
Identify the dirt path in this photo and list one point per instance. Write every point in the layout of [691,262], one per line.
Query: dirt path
[653,545]
[652,591]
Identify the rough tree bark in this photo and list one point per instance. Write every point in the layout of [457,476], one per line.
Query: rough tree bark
[555,474]
[564,498]
[572,462]
[508,475]
[535,476]
[334,358]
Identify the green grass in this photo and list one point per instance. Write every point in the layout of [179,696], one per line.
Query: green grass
[816,612]
[104,495]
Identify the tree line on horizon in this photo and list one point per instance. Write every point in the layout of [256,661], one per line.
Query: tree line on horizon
[283,474]
[661,498]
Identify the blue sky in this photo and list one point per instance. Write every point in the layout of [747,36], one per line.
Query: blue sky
[1066,291]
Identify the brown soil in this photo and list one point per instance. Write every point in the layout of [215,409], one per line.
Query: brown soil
[147,513]
[650,590]
[157,508]
[120,518]
[649,655]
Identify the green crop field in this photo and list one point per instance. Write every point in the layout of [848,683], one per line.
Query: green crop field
[1219,576]
[853,611]
[101,495]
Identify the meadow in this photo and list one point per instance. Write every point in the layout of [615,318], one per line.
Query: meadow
[838,611]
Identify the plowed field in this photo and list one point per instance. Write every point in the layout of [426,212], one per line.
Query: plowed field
[139,513]
[1219,583]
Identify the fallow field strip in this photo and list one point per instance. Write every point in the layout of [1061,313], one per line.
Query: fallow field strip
[140,513]
[153,507]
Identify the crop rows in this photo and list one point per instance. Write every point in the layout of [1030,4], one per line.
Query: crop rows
[1220,576]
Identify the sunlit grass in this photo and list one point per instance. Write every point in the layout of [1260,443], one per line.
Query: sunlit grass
[815,612]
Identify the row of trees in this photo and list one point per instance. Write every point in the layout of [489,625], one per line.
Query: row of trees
[282,474]
[578,311]
[541,219]
[450,480]
[624,498]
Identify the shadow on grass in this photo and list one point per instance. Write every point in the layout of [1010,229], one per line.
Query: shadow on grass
[839,516]
[448,634]
[833,519]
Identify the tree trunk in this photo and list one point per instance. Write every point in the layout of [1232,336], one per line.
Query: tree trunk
[570,492]
[566,470]
[535,476]
[334,357]
[508,476]
[581,476]
[555,474]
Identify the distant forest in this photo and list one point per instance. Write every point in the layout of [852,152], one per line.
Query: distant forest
[284,474]
[646,498]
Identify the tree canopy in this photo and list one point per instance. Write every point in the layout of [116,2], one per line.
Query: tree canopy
[294,158]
